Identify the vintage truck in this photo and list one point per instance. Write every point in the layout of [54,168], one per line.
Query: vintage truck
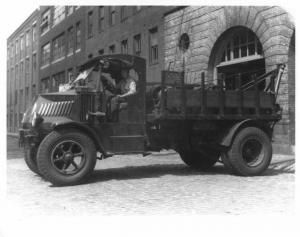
[64,133]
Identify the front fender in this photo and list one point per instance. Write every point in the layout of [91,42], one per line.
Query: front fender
[82,127]
[232,131]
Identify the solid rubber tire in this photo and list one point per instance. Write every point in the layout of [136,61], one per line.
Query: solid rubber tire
[30,160]
[234,154]
[45,149]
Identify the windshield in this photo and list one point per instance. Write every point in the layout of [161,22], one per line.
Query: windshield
[83,75]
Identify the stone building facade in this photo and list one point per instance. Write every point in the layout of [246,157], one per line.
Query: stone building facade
[231,40]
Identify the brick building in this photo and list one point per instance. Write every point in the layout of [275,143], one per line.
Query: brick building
[134,30]
[22,69]
[232,40]
[62,44]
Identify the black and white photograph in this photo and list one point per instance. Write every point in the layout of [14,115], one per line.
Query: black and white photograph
[115,109]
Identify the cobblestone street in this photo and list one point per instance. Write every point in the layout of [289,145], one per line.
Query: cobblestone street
[157,184]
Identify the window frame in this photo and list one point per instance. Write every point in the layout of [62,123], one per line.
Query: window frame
[45,61]
[90,24]
[45,24]
[58,52]
[78,42]
[59,14]
[112,15]
[153,49]
[101,18]
[137,40]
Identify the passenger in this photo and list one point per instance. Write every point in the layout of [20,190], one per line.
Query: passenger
[125,87]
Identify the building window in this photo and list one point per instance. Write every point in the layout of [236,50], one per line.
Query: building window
[243,44]
[17,73]
[17,49]
[101,19]
[58,47]
[112,49]
[27,40]
[33,91]
[26,97]
[124,13]
[27,65]
[240,54]
[59,14]
[57,80]
[137,8]
[45,55]
[101,51]
[70,41]
[124,46]
[112,15]
[16,97]
[70,10]
[34,62]
[45,85]
[70,75]
[34,35]
[21,99]
[90,25]
[22,45]
[78,36]
[21,70]
[45,25]
[137,46]
[153,40]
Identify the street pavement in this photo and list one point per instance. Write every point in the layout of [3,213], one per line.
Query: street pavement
[156,184]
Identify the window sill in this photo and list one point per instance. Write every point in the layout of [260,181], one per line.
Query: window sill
[77,50]
[58,60]
[240,60]
[44,66]
[153,63]
[70,54]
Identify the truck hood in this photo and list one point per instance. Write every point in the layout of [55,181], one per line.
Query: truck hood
[59,104]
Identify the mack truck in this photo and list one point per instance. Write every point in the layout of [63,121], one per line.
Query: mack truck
[64,133]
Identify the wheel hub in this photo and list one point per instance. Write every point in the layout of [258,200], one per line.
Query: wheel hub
[68,157]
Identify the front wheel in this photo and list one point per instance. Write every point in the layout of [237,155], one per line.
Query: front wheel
[250,153]
[66,157]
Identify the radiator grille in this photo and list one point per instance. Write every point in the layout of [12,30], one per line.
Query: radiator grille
[62,108]
[87,105]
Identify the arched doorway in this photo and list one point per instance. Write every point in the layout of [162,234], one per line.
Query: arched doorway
[237,51]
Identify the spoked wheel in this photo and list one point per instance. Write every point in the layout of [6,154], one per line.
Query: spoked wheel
[250,153]
[199,160]
[66,157]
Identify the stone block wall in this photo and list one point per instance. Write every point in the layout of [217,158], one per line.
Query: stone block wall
[205,25]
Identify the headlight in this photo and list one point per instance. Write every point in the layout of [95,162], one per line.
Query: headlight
[36,119]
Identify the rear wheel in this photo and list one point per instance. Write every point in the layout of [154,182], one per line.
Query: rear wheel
[199,160]
[30,159]
[66,157]
[250,153]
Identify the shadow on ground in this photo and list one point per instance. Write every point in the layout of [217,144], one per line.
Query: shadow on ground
[157,170]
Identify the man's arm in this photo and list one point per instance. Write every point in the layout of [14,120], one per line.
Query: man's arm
[132,90]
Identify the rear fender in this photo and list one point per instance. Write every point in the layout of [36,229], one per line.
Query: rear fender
[232,131]
[82,127]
